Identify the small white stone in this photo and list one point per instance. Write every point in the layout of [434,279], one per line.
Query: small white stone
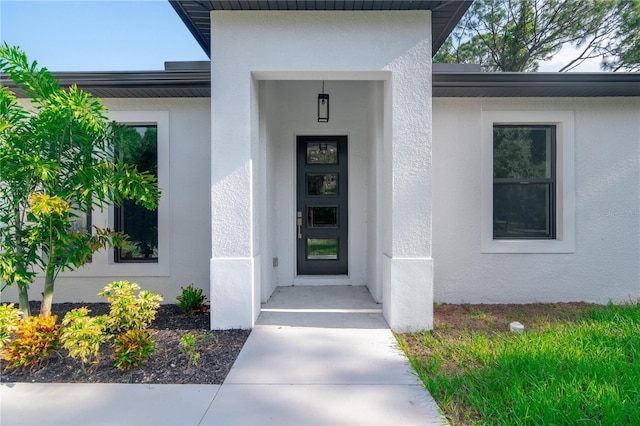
[516,327]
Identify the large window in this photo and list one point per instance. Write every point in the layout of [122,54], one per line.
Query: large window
[528,181]
[524,181]
[138,147]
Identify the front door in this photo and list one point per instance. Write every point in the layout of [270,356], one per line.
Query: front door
[322,216]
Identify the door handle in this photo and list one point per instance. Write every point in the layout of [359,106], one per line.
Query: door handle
[299,223]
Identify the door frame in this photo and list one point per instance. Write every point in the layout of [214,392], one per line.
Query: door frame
[343,202]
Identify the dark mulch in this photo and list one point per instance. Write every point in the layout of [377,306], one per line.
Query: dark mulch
[218,351]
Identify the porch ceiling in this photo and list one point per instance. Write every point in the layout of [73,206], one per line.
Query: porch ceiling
[195,13]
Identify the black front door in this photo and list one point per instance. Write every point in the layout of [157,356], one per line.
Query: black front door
[322,216]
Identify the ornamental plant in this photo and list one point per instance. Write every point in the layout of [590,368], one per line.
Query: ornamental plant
[9,319]
[192,301]
[133,348]
[37,338]
[129,311]
[83,335]
[56,165]
[189,347]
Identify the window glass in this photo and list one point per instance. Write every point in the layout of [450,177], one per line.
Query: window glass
[325,184]
[138,145]
[521,210]
[524,182]
[322,248]
[323,217]
[521,152]
[322,153]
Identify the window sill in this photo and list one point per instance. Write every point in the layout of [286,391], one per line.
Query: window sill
[527,246]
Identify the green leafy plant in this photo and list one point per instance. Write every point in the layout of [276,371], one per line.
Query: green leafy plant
[192,300]
[132,348]
[56,165]
[83,335]
[189,347]
[9,318]
[129,311]
[37,338]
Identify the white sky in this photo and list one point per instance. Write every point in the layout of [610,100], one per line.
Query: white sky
[564,56]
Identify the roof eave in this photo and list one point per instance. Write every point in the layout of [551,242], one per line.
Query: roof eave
[536,84]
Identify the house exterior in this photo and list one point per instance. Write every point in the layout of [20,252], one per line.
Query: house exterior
[409,187]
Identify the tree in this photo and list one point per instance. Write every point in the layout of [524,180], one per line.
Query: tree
[623,52]
[56,164]
[515,35]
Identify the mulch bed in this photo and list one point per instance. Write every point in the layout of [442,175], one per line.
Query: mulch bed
[218,351]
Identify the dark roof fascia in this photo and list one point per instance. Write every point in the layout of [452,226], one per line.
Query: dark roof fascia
[163,84]
[535,84]
[138,84]
[195,13]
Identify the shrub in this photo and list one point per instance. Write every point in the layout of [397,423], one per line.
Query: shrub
[127,311]
[37,337]
[192,300]
[82,335]
[189,346]
[133,348]
[9,318]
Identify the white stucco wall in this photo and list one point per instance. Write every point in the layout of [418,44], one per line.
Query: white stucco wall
[392,48]
[604,265]
[184,234]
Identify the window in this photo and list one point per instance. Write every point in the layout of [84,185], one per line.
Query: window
[524,181]
[138,147]
[528,182]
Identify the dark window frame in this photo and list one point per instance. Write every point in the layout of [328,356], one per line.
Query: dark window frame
[119,212]
[551,182]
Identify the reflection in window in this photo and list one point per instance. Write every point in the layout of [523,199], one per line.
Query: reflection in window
[326,184]
[322,153]
[323,217]
[322,249]
[138,145]
[524,181]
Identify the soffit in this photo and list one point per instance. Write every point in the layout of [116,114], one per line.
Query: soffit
[445,14]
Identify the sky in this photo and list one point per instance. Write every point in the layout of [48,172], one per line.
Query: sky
[98,35]
[120,35]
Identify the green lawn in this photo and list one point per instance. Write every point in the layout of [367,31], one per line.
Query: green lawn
[569,369]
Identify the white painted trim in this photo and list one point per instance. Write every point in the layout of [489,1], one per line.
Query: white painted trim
[322,75]
[565,189]
[320,280]
[103,264]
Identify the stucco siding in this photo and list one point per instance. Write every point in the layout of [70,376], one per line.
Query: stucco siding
[185,229]
[605,262]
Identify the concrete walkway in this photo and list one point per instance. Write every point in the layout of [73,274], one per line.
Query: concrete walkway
[318,356]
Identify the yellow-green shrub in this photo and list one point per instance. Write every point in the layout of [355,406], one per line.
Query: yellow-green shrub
[82,335]
[127,311]
[9,318]
[37,337]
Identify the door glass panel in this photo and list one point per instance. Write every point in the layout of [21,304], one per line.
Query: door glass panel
[322,248]
[323,217]
[326,184]
[322,153]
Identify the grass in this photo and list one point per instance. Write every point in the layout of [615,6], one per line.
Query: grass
[581,367]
